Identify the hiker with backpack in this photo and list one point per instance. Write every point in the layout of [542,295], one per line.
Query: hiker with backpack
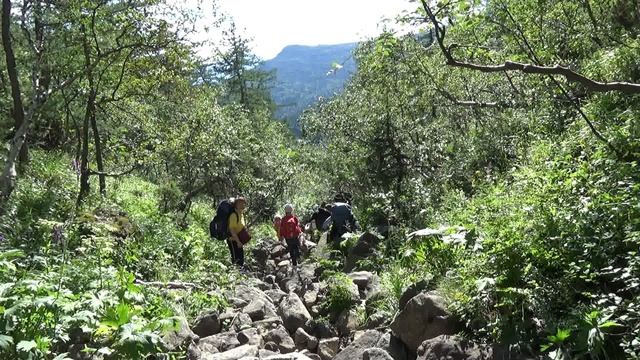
[317,219]
[229,224]
[290,231]
[341,220]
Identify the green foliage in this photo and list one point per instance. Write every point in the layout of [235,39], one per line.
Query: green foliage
[339,296]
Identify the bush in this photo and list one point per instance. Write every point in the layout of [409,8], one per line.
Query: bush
[339,295]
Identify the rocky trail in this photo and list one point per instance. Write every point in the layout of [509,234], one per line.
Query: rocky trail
[277,314]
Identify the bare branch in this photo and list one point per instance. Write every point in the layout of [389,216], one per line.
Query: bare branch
[129,171]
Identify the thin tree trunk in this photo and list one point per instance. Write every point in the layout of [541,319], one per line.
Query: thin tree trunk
[89,113]
[98,149]
[7,179]
[84,156]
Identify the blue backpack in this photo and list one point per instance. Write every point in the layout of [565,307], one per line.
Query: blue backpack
[219,226]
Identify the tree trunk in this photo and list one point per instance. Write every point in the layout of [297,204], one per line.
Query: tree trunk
[88,115]
[98,149]
[7,179]
[84,156]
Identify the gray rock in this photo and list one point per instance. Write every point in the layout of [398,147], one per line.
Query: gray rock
[362,249]
[393,346]
[304,341]
[223,341]
[355,350]
[424,317]
[268,324]
[263,353]
[240,322]
[281,338]
[367,282]
[311,355]
[412,291]
[249,293]
[310,295]
[271,346]
[255,309]
[378,319]
[251,337]
[194,352]
[275,295]
[233,354]
[328,348]
[347,322]
[182,335]
[452,347]
[278,251]
[293,312]
[270,279]
[207,324]
[321,330]
[238,303]
[376,354]
[362,278]
[290,356]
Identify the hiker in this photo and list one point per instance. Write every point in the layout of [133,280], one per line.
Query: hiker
[341,220]
[237,231]
[277,220]
[317,219]
[290,231]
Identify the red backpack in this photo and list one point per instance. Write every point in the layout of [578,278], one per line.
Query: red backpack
[289,228]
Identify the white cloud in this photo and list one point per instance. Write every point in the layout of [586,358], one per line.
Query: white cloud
[274,24]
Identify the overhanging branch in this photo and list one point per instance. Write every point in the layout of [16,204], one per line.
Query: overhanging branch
[570,75]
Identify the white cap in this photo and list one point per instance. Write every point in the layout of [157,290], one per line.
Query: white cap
[288,208]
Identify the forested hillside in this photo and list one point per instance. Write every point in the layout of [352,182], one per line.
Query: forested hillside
[303,74]
[490,158]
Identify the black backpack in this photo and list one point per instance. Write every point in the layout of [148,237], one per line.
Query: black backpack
[219,226]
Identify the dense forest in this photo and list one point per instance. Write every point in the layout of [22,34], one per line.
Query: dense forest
[492,152]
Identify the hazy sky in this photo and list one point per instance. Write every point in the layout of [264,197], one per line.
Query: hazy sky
[274,24]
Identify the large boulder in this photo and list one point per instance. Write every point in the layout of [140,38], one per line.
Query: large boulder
[278,251]
[275,295]
[328,348]
[182,335]
[281,338]
[368,283]
[424,317]
[361,250]
[248,293]
[268,324]
[240,322]
[223,341]
[376,354]
[347,322]
[251,337]
[305,341]
[293,312]
[255,309]
[233,354]
[355,350]
[412,291]
[207,324]
[373,339]
[452,347]
[321,329]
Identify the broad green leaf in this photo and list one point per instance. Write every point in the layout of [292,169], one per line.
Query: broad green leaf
[26,345]
[6,341]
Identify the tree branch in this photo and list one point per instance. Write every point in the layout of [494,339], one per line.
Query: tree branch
[93,172]
[570,75]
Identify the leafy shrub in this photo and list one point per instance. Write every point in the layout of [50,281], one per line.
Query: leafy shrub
[339,295]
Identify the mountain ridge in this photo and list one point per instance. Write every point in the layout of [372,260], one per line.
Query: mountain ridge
[305,73]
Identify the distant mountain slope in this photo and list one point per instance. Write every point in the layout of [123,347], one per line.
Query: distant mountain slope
[302,76]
